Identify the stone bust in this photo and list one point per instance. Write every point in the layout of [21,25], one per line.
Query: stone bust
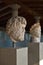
[15,28]
[35,32]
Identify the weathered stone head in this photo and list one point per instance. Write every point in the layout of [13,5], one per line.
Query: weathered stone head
[16,28]
[35,31]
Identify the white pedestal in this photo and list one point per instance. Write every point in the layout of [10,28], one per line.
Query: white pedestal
[22,56]
[41,54]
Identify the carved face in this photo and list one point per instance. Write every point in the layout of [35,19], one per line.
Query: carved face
[16,29]
[22,32]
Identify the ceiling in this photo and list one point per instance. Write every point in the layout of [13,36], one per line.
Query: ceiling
[29,9]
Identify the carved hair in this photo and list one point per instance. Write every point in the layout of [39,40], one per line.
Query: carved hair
[14,27]
[35,31]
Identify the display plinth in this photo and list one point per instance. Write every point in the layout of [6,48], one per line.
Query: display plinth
[20,56]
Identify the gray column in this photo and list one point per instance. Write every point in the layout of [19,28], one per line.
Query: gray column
[15,8]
